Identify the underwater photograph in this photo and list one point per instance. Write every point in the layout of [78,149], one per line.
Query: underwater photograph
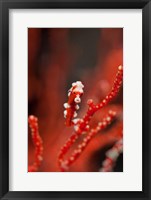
[75,100]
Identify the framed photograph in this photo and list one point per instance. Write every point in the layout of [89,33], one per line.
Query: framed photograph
[75,99]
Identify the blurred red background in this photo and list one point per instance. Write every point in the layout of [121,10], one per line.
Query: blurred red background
[56,58]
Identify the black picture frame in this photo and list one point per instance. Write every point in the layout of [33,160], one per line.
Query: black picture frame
[5,5]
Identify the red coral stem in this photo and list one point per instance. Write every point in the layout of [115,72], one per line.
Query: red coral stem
[33,123]
[64,164]
[82,124]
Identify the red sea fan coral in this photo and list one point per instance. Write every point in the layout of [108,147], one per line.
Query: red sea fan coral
[57,58]
[81,126]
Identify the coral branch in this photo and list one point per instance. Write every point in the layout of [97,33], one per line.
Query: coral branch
[64,164]
[33,123]
[81,126]
[112,156]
